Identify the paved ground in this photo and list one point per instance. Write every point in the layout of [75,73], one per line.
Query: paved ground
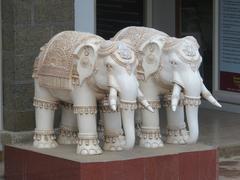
[229,168]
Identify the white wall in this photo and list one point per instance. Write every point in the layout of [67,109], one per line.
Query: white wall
[85,15]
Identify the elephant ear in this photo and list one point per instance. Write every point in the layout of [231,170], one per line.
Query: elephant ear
[85,56]
[151,53]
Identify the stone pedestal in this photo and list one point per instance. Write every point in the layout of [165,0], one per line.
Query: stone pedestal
[172,162]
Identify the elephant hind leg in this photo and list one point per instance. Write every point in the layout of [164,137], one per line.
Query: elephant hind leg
[68,125]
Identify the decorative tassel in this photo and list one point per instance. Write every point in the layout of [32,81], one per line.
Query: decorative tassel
[85,109]
[55,82]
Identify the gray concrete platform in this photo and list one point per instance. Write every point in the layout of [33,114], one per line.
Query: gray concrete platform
[69,152]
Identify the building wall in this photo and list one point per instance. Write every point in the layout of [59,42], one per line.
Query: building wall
[26,26]
[163,16]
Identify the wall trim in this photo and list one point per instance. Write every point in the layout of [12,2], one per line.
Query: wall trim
[85,15]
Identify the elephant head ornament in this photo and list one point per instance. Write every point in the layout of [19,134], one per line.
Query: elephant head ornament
[181,56]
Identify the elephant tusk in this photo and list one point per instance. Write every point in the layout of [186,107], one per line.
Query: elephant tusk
[147,105]
[208,96]
[113,99]
[143,101]
[175,96]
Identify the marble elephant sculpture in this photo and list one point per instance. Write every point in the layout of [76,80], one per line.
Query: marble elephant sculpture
[167,66]
[75,70]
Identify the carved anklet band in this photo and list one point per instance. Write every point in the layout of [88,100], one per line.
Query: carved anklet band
[105,107]
[147,133]
[111,139]
[85,110]
[128,105]
[67,132]
[167,100]
[113,134]
[44,135]
[155,104]
[177,132]
[87,136]
[87,139]
[192,101]
[67,106]
[45,104]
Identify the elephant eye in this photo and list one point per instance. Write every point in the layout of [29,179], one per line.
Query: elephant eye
[109,67]
[173,62]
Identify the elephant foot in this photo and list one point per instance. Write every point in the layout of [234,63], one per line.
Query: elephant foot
[150,138]
[88,145]
[44,139]
[67,136]
[177,136]
[114,143]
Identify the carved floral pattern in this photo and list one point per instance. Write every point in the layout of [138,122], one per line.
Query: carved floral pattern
[167,101]
[85,109]
[154,104]
[44,139]
[45,104]
[147,133]
[55,65]
[191,101]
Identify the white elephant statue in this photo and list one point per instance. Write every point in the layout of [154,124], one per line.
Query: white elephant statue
[75,70]
[167,66]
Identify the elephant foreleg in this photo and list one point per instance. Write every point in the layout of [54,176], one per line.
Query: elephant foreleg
[68,125]
[176,126]
[88,142]
[150,136]
[113,133]
[84,106]
[45,106]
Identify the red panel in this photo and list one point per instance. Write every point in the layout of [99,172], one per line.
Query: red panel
[151,169]
[23,164]
[167,167]
[14,163]
[92,171]
[230,81]
[46,167]
[189,166]
[208,165]
[114,170]
[133,169]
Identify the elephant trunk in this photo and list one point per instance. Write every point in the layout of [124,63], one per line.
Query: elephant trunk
[128,126]
[192,120]
[190,83]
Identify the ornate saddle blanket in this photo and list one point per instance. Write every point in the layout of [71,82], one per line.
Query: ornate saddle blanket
[138,35]
[54,65]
